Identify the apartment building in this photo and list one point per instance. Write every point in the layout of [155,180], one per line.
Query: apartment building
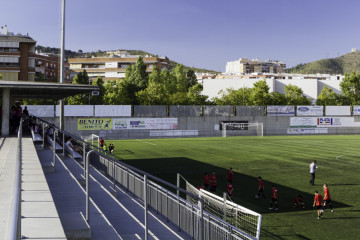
[245,66]
[48,66]
[17,57]
[113,66]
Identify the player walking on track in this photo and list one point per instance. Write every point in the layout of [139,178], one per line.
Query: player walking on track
[313,168]
[261,188]
[213,182]
[206,181]
[327,198]
[274,196]
[318,202]
[229,175]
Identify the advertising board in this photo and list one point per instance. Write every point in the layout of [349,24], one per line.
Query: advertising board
[94,124]
[280,110]
[144,123]
[310,111]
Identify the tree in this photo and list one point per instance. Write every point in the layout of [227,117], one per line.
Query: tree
[260,93]
[98,99]
[327,97]
[116,93]
[194,96]
[39,77]
[191,78]
[136,79]
[234,97]
[181,80]
[277,99]
[80,99]
[295,96]
[350,88]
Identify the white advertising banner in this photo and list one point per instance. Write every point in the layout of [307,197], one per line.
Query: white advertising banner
[295,131]
[303,122]
[280,110]
[321,122]
[40,110]
[113,111]
[76,110]
[145,123]
[356,110]
[310,111]
[337,111]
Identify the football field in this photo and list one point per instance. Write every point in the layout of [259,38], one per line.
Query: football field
[280,160]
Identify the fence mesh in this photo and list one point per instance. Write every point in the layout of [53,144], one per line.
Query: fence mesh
[185,111]
[218,111]
[250,111]
[150,111]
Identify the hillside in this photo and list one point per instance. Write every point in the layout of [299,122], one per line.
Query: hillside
[81,54]
[349,62]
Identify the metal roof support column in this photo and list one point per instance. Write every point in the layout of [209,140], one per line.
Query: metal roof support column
[5,112]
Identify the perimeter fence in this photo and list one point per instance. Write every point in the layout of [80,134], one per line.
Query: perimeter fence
[186,213]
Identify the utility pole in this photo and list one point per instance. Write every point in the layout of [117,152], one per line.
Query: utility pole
[62,60]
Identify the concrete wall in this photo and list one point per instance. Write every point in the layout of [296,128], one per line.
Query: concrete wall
[273,125]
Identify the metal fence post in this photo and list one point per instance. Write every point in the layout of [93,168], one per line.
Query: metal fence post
[224,206]
[54,148]
[63,144]
[43,127]
[87,186]
[177,183]
[84,158]
[201,230]
[114,172]
[145,207]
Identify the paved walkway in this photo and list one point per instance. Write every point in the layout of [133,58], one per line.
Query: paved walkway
[123,215]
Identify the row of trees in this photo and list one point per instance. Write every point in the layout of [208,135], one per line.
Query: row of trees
[176,87]
[180,87]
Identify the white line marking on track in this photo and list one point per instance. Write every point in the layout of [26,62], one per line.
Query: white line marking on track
[146,142]
[338,157]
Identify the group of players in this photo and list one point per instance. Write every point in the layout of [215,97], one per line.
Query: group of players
[320,202]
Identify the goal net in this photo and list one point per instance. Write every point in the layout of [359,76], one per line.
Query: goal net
[241,129]
[96,138]
[246,220]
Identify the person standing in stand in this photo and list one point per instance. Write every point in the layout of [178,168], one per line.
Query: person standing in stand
[213,182]
[229,175]
[206,181]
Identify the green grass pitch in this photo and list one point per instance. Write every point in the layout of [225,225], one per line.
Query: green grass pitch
[280,160]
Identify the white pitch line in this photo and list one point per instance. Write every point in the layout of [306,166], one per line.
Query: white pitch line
[338,157]
[146,142]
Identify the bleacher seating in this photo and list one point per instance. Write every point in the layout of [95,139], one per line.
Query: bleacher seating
[35,136]
[58,148]
[72,152]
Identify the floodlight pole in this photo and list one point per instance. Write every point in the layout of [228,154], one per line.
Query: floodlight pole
[62,67]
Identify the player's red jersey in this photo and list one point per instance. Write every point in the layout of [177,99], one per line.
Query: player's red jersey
[274,193]
[206,179]
[261,186]
[229,175]
[327,194]
[230,188]
[318,199]
[213,180]
[297,200]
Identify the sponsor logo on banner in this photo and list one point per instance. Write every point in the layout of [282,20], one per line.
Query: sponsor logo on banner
[280,110]
[310,110]
[145,123]
[94,124]
[356,110]
[325,121]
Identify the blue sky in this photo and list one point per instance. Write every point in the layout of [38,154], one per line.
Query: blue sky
[199,33]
